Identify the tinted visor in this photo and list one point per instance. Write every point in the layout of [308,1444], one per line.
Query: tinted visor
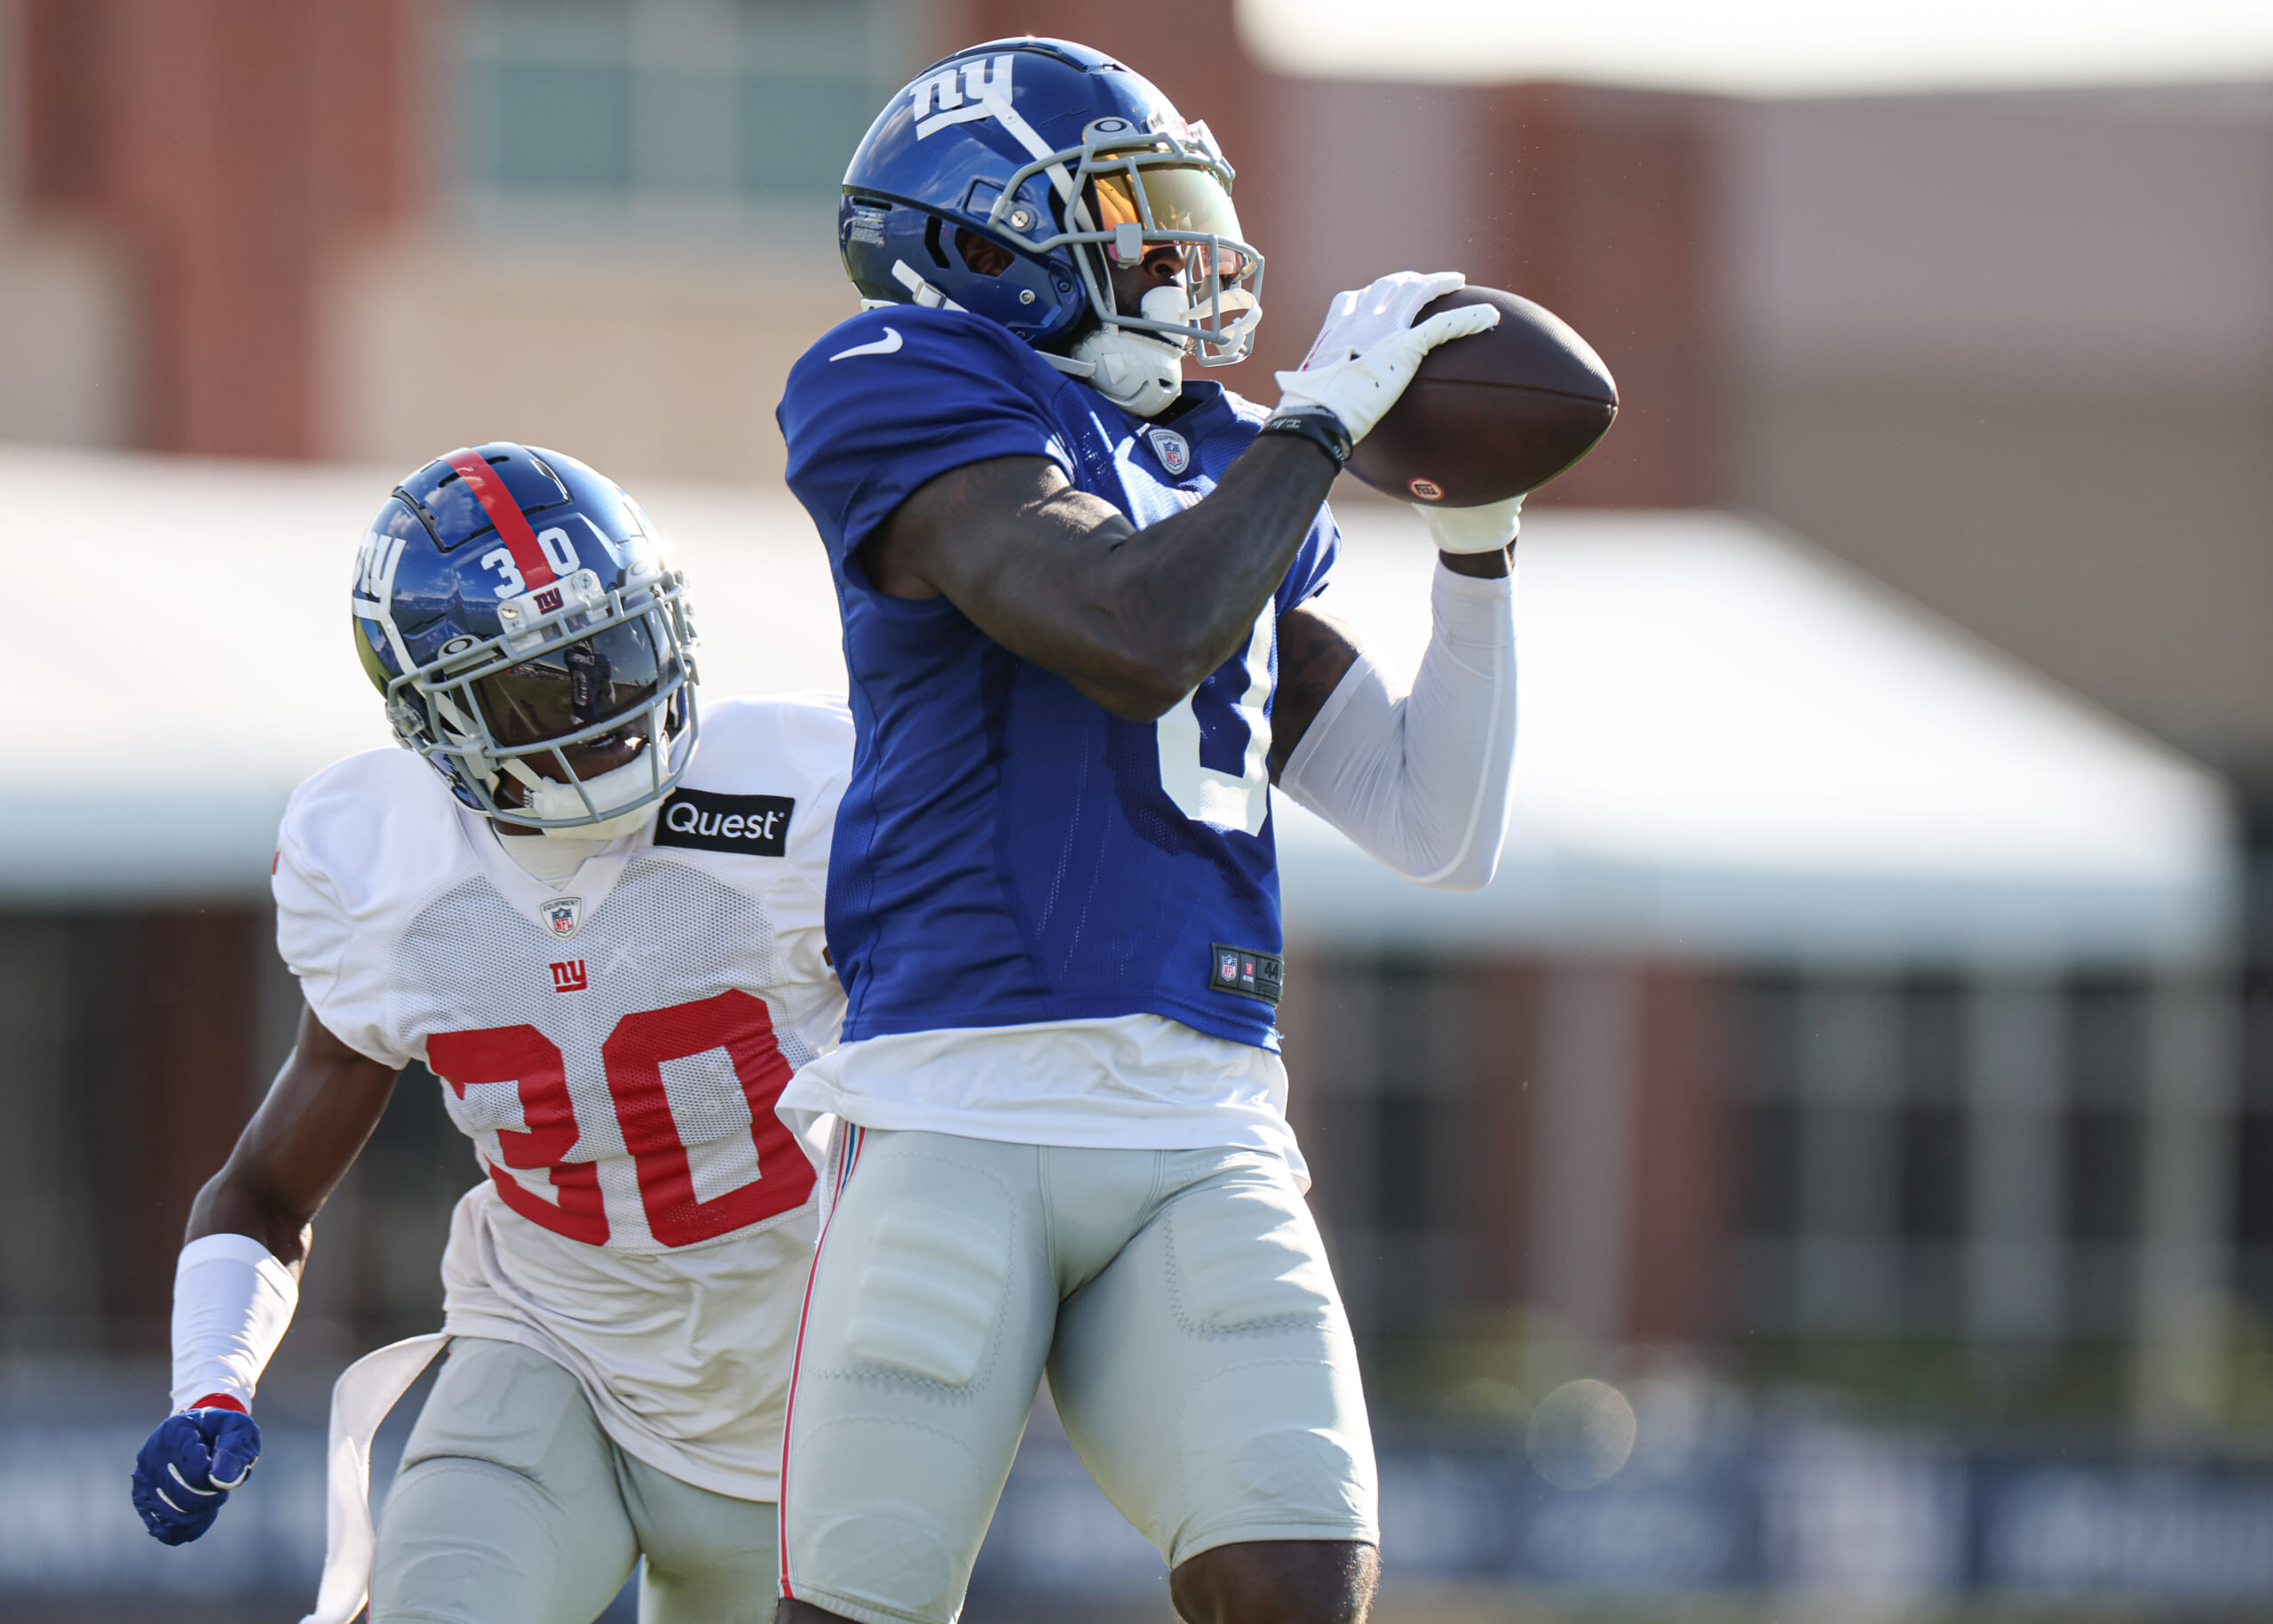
[1183,199]
[566,689]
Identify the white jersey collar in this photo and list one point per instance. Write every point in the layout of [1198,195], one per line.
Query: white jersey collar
[557,907]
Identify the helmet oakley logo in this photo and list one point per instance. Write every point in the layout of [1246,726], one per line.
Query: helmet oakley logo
[563,915]
[1173,449]
[982,94]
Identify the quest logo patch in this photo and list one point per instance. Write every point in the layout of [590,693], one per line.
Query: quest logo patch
[740,825]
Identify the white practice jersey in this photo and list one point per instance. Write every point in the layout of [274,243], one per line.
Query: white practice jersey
[614,1045]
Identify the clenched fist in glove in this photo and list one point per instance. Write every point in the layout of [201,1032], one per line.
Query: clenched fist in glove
[183,1476]
[1369,348]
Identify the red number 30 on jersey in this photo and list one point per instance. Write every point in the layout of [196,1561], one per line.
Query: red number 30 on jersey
[633,1057]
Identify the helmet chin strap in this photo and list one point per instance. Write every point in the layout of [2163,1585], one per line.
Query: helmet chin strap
[632,782]
[1139,372]
[627,792]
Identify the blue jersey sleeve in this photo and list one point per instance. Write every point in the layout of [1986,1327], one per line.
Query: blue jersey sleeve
[896,397]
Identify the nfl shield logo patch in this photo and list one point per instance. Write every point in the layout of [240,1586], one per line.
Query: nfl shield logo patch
[564,914]
[1173,449]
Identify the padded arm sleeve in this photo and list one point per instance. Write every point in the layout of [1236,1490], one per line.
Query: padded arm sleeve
[232,1303]
[1419,780]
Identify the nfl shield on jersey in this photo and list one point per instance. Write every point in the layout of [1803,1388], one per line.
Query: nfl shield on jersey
[613,1048]
[1172,448]
[1008,851]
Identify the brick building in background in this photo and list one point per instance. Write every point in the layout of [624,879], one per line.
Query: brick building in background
[2012,354]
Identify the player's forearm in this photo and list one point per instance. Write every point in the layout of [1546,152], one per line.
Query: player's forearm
[232,1303]
[1135,619]
[232,1204]
[1181,596]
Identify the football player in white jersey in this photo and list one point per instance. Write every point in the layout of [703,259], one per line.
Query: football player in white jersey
[601,928]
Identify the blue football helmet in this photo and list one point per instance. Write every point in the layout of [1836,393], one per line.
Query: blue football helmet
[1060,159]
[511,604]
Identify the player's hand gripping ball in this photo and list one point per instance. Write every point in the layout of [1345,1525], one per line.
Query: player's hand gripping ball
[188,1465]
[1489,415]
[1370,348]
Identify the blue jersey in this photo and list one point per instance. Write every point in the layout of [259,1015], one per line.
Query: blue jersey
[1008,850]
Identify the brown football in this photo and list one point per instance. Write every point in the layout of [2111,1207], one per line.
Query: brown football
[1493,414]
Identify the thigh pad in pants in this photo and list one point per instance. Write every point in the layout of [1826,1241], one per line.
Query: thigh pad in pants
[929,1314]
[1207,1376]
[1203,1363]
[506,1510]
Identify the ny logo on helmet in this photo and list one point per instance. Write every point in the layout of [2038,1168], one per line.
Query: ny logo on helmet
[375,564]
[985,91]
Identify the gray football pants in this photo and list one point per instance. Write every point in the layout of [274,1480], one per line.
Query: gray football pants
[1196,1345]
[514,1507]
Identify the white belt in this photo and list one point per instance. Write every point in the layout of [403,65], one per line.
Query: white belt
[366,1391]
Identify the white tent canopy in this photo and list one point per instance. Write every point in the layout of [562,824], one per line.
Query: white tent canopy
[1730,746]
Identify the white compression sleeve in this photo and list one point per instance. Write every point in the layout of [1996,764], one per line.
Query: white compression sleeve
[232,1302]
[1419,780]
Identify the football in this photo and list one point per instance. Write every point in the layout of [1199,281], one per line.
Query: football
[1493,414]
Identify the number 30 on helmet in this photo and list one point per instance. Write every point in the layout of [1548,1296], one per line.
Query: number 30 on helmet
[532,640]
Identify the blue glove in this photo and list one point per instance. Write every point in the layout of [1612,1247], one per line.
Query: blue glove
[187,1469]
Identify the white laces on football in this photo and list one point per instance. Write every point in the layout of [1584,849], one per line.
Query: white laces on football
[1368,349]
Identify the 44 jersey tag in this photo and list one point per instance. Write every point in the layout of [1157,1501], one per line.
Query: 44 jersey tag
[1245,972]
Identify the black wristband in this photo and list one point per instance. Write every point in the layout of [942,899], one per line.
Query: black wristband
[1316,425]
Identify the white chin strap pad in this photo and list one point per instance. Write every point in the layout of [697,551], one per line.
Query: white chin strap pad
[1135,371]
[1139,372]
[630,785]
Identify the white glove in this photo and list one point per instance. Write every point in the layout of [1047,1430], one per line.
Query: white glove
[1485,529]
[1366,353]
[1366,350]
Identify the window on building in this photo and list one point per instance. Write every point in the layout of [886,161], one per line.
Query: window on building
[712,111]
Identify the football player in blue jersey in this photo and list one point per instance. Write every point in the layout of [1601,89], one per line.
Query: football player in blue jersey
[1076,595]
